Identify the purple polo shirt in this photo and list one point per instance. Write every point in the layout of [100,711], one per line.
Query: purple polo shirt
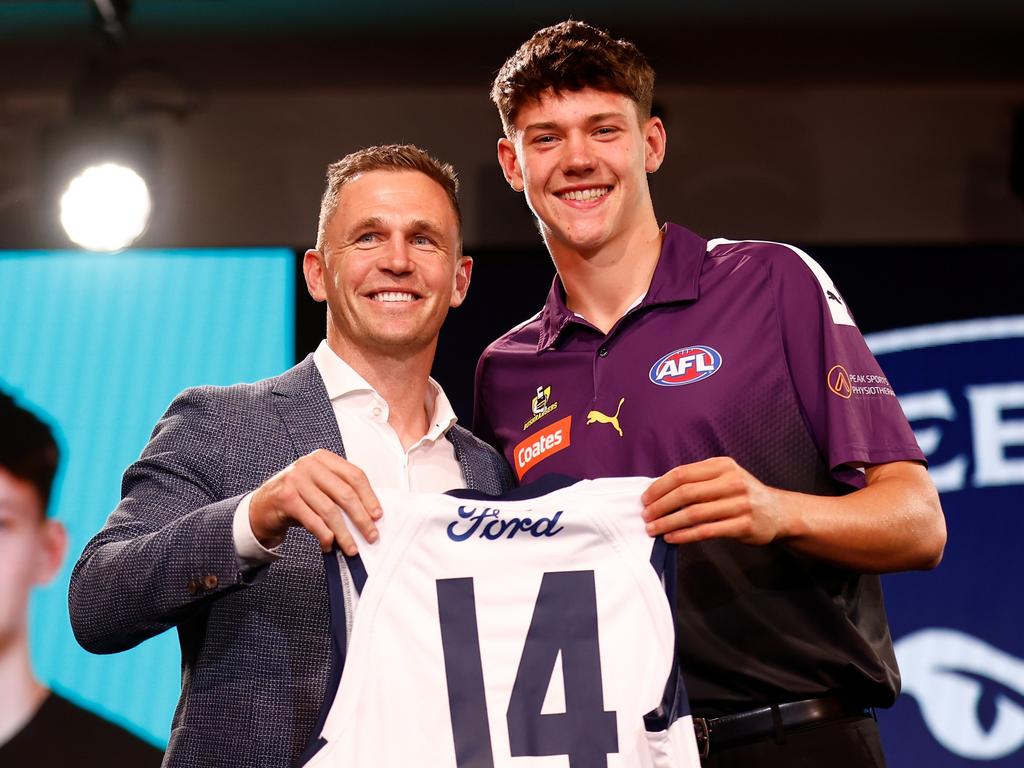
[742,349]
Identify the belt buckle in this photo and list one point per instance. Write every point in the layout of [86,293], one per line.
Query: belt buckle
[702,730]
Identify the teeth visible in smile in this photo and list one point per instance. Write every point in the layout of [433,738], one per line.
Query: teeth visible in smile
[585,194]
[393,296]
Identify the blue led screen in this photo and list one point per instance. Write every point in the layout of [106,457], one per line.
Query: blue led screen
[98,346]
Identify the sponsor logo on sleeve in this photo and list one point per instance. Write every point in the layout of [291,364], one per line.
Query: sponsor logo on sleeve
[839,382]
[540,406]
[846,384]
[687,365]
[541,445]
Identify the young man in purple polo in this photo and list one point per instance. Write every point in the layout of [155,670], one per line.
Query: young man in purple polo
[734,373]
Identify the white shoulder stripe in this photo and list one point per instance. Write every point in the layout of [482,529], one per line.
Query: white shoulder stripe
[521,325]
[836,305]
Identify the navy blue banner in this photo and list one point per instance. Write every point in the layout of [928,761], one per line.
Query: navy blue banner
[958,629]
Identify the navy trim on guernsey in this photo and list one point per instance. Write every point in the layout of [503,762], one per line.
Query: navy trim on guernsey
[456,602]
[357,570]
[339,635]
[339,639]
[536,489]
[675,702]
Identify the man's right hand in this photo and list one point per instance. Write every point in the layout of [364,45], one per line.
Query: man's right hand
[318,492]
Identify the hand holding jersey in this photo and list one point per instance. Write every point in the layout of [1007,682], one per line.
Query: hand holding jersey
[318,492]
[812,460]
[711,499]
[717,498]
[525,630]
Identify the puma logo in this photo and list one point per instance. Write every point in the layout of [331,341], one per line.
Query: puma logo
[596,417]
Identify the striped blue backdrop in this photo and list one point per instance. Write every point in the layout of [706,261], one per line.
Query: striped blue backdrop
[98,345]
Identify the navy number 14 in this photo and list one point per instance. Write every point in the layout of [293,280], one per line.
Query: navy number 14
[564,620]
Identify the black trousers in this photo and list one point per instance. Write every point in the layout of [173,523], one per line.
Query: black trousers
[851,742]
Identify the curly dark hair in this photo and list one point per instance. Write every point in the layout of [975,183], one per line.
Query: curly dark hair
[571,56]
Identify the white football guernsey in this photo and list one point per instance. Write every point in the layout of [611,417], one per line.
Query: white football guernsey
[524,631]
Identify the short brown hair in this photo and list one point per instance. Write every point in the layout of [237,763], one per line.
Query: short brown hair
[571,56]
[28,449]
[389,157]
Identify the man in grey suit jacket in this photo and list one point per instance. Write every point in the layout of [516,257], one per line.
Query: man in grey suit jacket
[222,519]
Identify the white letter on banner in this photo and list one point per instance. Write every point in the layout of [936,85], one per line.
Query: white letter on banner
[935,404]
[993,434]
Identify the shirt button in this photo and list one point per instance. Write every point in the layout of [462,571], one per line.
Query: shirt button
[376,410]
[602,352]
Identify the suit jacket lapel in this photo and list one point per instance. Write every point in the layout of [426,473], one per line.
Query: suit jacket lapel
[301,400]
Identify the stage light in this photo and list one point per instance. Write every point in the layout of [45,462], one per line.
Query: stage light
[106,207]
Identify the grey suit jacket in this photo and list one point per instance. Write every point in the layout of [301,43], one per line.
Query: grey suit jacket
[255,645]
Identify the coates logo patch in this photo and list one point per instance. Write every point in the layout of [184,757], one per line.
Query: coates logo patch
[541,445]
[839,382]
[686,366]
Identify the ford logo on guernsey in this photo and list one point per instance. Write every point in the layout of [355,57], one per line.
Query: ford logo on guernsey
[685,366]
[488,524]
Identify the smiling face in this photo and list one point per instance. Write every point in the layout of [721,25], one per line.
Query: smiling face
[582,158]
[391,265]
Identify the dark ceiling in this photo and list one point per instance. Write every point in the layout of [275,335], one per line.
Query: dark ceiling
[261,44]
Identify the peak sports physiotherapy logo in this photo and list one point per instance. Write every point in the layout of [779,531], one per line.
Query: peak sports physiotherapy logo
[686,365]
[838,381]
[845,384]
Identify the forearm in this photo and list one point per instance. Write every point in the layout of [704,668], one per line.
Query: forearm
[131,583]
[895,523]
[168,546]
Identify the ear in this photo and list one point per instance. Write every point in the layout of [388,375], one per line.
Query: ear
[509,163]
[54,543]
[654,144]
[463,273]
[313,268]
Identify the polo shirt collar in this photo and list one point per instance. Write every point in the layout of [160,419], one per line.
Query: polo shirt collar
[341,381]
[676,278]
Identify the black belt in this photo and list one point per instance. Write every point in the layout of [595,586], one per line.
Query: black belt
[775,719]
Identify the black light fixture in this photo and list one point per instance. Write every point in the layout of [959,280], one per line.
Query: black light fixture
[97,165]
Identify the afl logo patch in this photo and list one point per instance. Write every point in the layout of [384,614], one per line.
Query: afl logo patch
[685,366]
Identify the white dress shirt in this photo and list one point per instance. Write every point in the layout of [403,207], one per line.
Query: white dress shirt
[429,465]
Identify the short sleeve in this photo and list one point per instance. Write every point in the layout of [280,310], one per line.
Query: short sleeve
[849,404]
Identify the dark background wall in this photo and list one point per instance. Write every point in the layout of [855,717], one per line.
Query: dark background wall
[846,122]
